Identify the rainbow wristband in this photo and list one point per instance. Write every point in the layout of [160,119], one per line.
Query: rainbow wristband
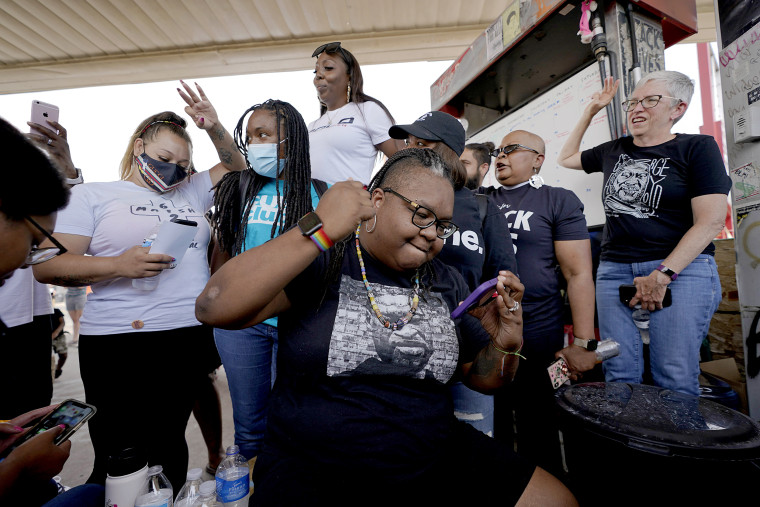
[323,242]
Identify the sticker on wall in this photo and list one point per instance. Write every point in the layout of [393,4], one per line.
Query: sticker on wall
[746,181]
[748,254]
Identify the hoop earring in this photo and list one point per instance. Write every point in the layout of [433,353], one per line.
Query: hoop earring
[348,93]
[536,181]
[373,225]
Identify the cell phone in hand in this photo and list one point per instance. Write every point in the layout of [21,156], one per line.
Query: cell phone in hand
[559,373]
[72,414]
[628,290]
[481,296]
[42,112]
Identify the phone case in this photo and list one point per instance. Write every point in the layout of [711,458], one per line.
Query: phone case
[42,111]
[559,373]
[474,298]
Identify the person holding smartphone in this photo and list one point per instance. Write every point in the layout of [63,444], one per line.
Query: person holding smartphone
[664,198]
[142,352]
[29,201]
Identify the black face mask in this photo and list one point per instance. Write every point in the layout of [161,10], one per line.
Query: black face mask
[160,176]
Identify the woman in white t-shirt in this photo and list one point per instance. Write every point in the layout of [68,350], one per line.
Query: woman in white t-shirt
[353,127]
[142,352]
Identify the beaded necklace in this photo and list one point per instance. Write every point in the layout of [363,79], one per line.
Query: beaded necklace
[415,290]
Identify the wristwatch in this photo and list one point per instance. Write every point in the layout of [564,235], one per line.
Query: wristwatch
[586,344]
[311,227]
[309,224]
[664,269]
[75,181]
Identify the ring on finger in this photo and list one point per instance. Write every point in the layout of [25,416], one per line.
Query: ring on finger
[50,141]
[515,307]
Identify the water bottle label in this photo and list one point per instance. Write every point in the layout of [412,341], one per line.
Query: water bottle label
[229,491]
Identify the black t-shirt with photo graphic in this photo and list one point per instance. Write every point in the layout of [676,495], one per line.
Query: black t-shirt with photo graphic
[350,392]
[647,192]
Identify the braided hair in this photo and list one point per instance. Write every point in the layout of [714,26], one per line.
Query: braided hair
[236,191]
[393,173]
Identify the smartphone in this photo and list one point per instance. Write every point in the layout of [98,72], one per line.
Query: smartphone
[627,291]
[42,111]
[481,296]
[70,413]
[559,373]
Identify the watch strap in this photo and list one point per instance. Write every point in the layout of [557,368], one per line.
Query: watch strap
[75,181]
[586,344]
[669,272]
[311,227]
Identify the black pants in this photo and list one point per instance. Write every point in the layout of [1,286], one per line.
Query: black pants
[530,398]
[25,352]
[143,386]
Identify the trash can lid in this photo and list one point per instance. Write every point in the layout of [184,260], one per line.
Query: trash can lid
[655,419]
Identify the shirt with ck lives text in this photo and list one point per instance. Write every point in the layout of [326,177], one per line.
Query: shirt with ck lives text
[536,218]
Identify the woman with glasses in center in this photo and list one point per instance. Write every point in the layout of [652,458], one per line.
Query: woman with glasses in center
[478,250]
[360,411]
[353,127]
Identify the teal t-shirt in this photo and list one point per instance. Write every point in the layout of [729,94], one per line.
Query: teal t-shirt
[261,217]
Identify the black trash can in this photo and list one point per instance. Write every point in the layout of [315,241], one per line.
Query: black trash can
[634,444]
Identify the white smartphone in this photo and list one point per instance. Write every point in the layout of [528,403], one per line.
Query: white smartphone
[42,111]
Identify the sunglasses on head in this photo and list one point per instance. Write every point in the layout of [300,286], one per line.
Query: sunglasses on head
[330,47]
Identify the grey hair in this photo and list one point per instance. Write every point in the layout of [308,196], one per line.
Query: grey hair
[679,85]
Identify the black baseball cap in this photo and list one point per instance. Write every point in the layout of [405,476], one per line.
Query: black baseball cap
[433,126]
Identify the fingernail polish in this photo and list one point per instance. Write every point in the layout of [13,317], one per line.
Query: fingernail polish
[18,428]
[62,426]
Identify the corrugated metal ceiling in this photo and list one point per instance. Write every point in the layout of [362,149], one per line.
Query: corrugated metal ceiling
[55,44]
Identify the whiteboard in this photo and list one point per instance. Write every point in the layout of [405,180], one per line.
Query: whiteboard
[552,115]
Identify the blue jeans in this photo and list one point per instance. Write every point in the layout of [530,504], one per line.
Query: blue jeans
[249,359]
[473,407]
[676,332]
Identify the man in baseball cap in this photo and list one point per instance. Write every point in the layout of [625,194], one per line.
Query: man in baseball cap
[433,126]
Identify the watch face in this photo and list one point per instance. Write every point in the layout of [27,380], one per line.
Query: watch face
[592,345]
[309,224]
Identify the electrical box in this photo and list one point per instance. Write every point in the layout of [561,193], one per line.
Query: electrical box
[747,124]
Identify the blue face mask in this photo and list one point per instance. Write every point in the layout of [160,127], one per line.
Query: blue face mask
[263,159]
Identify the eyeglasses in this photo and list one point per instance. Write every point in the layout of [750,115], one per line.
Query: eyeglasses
[423,218]
[647,102]
[506,150]
[330,47]
[39,255]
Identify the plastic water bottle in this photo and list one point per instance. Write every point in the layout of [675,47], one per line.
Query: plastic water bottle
[151,282]
[160,493]
[190,491]
[232,479]
[207,496]
[641,319]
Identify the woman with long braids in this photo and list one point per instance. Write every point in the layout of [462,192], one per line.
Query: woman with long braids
[353,127]
[142,351]
[361,409]
[252,207]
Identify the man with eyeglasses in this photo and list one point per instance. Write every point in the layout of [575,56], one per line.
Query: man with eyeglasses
[551,241]
[664,198]
[33,190]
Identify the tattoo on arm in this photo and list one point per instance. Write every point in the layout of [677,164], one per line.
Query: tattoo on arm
[485,363]
[71,281]
[224,155]
[219,132]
